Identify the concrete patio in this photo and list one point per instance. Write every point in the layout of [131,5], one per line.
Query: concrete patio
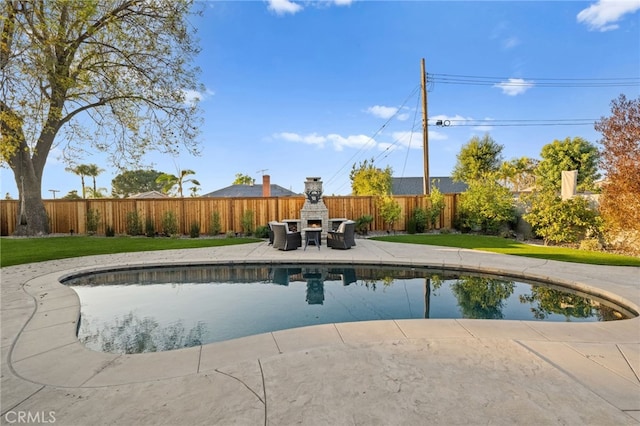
[402,372]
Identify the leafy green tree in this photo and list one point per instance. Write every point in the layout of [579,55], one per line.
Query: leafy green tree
[72,195]
[367,179]
[110,76]
[477,159]
[172,182]
[518,174]
[569,154]
[243,179]
[134,182]
[620,160]
[486,205]
[559,221]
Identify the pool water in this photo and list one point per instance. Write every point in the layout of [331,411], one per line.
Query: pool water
[147,310]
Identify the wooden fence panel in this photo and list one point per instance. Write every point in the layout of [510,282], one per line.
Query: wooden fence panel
[67,215]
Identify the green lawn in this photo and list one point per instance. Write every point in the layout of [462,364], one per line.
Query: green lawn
[507,246]
[15,251]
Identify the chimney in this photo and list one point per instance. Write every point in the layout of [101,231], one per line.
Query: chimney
[266,186]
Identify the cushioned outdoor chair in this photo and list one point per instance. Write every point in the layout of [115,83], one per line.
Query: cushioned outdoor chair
[283,239]
[271,232]
[344,237]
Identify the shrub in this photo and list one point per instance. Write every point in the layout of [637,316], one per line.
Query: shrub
[362,224]
[194,231]
[169,223]
[436,201]
[134,223]
[246,221]
[262,232]
[591,244]
[559,221]
[411,226]
[110,232]
[149,228]
[486,206]
[215,227]
[419,219]
[390,210]
[93,219]
[231,234]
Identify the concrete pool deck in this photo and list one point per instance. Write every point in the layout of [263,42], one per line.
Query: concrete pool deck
[400,372]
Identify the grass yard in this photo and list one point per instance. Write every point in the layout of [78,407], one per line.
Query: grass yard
[508,246]
[16,251]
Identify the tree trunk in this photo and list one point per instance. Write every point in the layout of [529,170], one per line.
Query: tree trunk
[32,219]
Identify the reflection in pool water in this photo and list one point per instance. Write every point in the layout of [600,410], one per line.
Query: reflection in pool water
[146,310]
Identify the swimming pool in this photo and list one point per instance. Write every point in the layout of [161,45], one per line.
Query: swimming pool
[158,309]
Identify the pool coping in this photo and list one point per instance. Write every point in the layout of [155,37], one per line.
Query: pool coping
[47,335]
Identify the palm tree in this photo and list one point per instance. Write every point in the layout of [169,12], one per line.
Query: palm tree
[170,181]
[93,171]
[81,170]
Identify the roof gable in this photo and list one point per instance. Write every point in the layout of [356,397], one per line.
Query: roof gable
[250,191]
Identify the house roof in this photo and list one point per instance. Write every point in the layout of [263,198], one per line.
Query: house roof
[414,185]
[240,191]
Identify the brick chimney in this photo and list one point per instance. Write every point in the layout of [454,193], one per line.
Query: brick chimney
[266,186]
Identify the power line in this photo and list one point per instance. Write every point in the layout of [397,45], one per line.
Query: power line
[530,81]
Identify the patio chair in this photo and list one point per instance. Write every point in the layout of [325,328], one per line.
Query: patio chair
[271,232]
[283,239]
[344,237]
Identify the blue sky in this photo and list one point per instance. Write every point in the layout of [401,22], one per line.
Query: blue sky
[309,88]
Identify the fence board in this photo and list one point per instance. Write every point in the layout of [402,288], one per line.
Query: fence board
[67,215]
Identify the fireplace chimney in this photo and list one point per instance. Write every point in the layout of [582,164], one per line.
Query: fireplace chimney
[266,186]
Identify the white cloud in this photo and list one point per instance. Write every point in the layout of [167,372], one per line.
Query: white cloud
[282,7]
[382,111]
[342,2]
[514,86]
[603,15]
[310,139]
[351,141]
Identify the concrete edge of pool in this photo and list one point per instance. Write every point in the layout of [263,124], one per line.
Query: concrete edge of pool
[600,362]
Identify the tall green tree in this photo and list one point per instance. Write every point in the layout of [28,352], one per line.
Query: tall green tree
[569,154]
[171,183]
[367,179]
[134,182]
[105,75]
[477,159]
[242,179]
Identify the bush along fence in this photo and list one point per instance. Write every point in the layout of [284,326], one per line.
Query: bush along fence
[211,216]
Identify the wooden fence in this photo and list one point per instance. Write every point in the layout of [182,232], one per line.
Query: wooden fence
[68,215]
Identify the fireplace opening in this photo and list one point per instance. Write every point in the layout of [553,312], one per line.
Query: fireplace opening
[314,223]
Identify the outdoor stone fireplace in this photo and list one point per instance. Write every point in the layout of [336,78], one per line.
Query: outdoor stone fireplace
[314,214]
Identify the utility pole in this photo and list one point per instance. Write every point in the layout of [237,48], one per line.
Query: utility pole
[425,130]
[54,192]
